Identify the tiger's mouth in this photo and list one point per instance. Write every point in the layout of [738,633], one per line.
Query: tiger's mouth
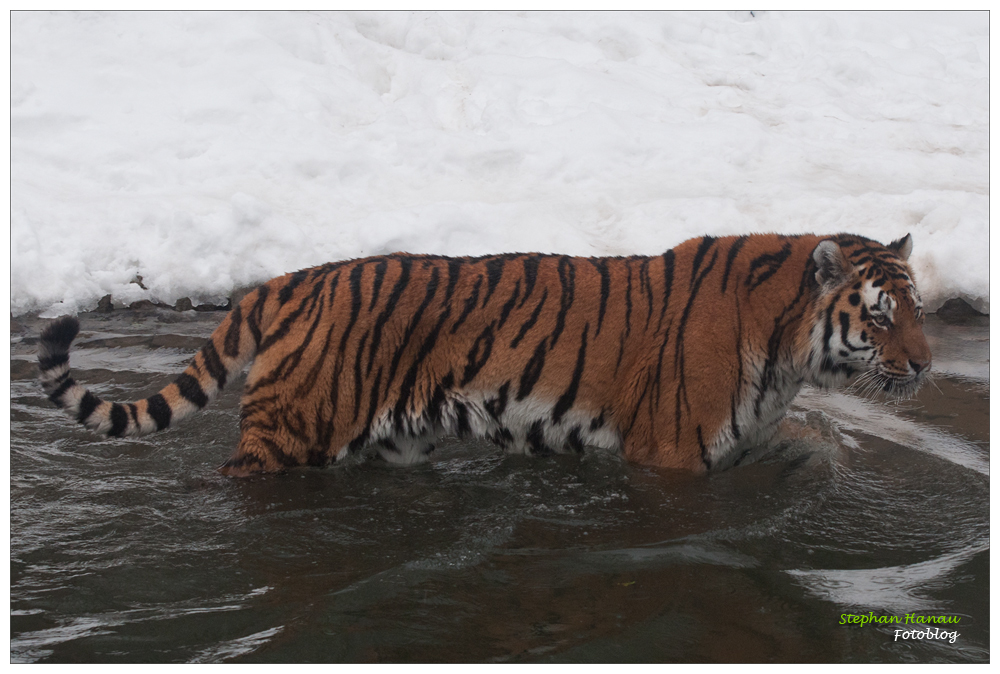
[882,381]
[901,386]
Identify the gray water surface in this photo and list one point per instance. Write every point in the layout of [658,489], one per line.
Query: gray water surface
[138,551]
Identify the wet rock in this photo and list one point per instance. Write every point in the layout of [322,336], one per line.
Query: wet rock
[215,307]
[115,342]
[177,342]
[957,311]
[23,369]
[142,305]
[104,305]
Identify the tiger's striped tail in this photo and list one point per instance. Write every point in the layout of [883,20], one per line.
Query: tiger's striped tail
[228,350]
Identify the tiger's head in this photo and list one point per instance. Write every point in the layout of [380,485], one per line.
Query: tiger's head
[868,317]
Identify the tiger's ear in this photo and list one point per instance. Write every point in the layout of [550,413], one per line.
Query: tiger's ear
[832,268]
[902,247]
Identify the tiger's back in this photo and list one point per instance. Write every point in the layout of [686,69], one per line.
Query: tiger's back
[683,360]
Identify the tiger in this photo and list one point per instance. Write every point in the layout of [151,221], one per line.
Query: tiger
[686,360]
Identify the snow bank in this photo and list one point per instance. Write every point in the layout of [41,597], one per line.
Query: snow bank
[210,151]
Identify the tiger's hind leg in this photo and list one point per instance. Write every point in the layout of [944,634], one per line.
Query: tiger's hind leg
[271,441]
[260,451]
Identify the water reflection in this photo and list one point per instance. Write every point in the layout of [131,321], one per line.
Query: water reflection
[129,551]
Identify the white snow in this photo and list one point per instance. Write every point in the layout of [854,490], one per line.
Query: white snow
[211,151]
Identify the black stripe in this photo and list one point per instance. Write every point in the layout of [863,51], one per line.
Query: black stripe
[505,312]
[309,382]
[678,355]
[765,266]
[530,263]
[638,406]
[377,284]
[334,282]
[706,243]
[739,366]
[231,347]
[310,379]
[252,412]
[496,406]
[56,396]
[134,413]
[46,363]
[788,316]
[679,370]
[317,458]
[494,272]
[277,453]
[214,364]
[479,354]
[357,373]
[295,424]
[659,360]
[621,350]
[119,420]
[536,438]
[437,399]
[463,429]
[293,283]
[732,414]
[355,282]
[573,440]
[159,410]
[668,283]
[292,359]
[257,314]
[567,399]
[647,285]
[431,290]
[530,323]
[390,306]
[845,326]
[532,371]
[291,319]
[191,390]
[704,449]
[601,264]
[359,441]
[410,379]
[567,275]
[88,403]
[828,323]
[322,429]
[502,437]
[734,250]
[454,269]
[470,304]
[628,300]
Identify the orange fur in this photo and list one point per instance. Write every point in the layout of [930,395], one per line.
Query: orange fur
[682,360]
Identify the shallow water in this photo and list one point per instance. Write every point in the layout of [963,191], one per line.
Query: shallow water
[137,551]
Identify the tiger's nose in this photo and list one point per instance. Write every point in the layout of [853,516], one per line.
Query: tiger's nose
[920,365]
